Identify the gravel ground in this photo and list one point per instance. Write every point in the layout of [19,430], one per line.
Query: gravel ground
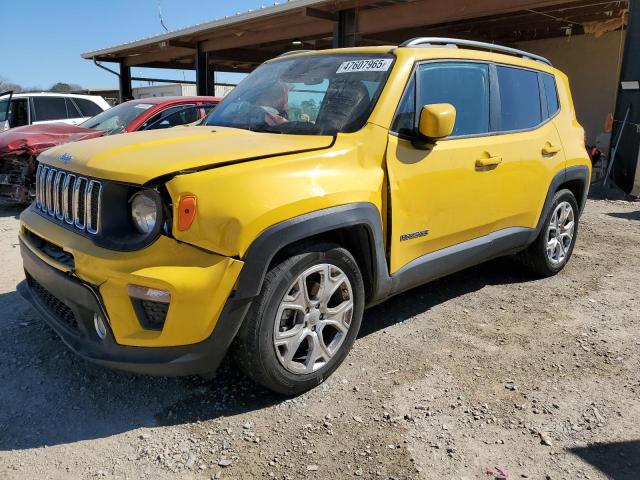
[489,373]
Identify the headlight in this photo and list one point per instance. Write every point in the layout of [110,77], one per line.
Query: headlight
[144,212]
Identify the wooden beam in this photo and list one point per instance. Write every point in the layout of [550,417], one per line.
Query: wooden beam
[306,29]
[244,55]
[170,65]
[165,55]
[181,44]
[430,12]
[317,13]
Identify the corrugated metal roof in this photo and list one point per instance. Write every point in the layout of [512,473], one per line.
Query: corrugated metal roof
[276,8]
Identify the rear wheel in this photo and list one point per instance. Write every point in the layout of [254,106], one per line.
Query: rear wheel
[553,247]
[304,322]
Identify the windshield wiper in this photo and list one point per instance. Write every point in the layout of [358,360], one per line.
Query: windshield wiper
[264,128]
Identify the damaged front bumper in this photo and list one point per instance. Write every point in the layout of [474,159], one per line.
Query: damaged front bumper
[71,306]
[17,179]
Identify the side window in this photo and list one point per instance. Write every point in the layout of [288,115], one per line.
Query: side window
[171,117]
[463,85]
[19,112]
[72,110]
[551,93]
[49,108]
[405,121]
[87,107]
[519,99]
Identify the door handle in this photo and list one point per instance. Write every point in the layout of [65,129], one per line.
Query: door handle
[488,162]
[550,149]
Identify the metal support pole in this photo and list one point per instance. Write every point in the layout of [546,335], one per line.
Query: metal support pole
[126,92]
[344,31]
[204,83]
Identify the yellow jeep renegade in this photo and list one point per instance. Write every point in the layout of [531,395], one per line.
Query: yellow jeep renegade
[324,183]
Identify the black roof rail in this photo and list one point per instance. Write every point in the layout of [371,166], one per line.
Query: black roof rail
[456,42]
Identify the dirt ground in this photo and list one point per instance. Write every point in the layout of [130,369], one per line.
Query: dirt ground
[489,373]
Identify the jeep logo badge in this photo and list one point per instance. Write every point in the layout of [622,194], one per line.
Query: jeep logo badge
[65,158]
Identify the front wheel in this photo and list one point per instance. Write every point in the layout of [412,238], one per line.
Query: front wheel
[304,322]
[553,247]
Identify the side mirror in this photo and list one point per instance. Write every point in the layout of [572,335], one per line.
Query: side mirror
[437,120]
[4,126]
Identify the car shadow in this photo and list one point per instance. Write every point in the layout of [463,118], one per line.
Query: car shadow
[50,397]
[617,461]
[501,271]
[626,215]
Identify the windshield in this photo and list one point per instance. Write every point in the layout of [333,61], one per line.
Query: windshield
[314,95]
[116,119]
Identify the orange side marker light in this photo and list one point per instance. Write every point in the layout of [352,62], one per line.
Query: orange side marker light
[186,211]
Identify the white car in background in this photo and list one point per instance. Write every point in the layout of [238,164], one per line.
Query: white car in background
[19,109]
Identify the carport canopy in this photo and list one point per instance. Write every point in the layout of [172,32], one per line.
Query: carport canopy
[241,42]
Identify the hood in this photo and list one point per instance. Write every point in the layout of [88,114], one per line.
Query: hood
[139,157]
[34,139]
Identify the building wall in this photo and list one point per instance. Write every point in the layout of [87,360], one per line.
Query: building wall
[163,90]
[175,90]
[593,67]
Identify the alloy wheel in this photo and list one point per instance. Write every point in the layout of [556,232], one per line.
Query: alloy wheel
[560,232]
[313,319]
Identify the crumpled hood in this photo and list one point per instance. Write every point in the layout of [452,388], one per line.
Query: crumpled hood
[34,139]
[139,157]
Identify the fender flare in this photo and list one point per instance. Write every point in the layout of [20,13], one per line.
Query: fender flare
[579,172]
[264,248]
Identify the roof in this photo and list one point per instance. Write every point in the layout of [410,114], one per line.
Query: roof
[216,23]
[161,100]
[241,42]
[54,94]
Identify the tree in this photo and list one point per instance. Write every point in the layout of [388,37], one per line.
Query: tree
[6,85]
[60,87]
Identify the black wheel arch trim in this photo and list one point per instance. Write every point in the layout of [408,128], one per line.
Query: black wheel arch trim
[578,172]
[264,248]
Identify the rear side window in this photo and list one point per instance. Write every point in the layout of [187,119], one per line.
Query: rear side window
[49,108]
[87,107]
[551,94]
[463,85]
[72,110]
[519,98]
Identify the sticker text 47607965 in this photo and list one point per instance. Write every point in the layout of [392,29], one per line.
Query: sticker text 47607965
[369,65]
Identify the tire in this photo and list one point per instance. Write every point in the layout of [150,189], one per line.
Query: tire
[536,257]
[279,356]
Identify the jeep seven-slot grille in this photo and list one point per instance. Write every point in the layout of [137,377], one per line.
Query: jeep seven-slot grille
[69,198]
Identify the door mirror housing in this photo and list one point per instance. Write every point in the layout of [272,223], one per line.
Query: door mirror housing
[437,120]
[4,126]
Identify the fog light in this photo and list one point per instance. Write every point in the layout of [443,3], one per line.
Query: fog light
[101,328]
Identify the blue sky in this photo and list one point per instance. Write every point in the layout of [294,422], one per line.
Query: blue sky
[41,40]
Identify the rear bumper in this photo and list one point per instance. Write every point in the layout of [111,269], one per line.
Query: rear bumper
[68,305]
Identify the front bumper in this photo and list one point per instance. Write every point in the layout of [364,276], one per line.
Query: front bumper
[199,282]
[68,305]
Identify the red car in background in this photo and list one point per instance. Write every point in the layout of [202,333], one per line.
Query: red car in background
[20,146]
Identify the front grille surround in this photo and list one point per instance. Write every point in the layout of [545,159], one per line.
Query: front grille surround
[69,198]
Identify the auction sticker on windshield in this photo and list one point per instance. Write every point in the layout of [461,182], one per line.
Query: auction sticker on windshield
[371,65]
